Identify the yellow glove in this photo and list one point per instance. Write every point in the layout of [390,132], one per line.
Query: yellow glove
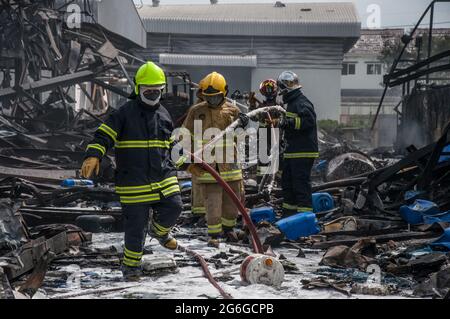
[89,165]
[196,170]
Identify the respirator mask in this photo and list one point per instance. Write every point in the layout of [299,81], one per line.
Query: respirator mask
[214,100]
[150,95]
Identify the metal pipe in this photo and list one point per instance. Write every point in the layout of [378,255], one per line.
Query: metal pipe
[430,38]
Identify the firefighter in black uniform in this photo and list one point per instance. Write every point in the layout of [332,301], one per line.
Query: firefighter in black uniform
[146,177]
[268,89]
[300,132]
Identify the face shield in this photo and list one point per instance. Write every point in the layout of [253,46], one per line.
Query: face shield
[214,100]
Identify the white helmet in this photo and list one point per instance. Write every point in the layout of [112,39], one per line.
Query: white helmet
[287,82]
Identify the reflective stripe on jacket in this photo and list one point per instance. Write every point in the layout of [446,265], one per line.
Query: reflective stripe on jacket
[301,133]
[142,139]
[218,118]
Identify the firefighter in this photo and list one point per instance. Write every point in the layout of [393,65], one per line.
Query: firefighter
[146,178]
[300,132]
[268,89]
[198,204]
[216,112]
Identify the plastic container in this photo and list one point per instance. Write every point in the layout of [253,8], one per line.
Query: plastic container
[299,225]
[322,202]
[96,223]
[262,269]
[445,158]
[414,214]
[70,182]
[443,242]
[187,184]
[321,166]
[265,213]
[438,218]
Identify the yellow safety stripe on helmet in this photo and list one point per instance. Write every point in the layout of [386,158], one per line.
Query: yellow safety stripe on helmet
[99,147]
[228,222]
[108,131]
[132,254]
[146,188]
[198,210]
[214,229]
[143,144]
[304,209]
[131,263]
[171,190]
[302,155]
[139,199]
[289,206]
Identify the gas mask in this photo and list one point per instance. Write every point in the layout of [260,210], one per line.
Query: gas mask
[150,95]
[214,100]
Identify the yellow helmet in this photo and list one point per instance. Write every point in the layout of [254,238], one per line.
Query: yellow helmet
[149,74]
[213,84]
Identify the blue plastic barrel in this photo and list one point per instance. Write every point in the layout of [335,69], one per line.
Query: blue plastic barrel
[70,182]
[445,158]
[414,214]
[322,202]
[299,225]
[186,184]
[262,213]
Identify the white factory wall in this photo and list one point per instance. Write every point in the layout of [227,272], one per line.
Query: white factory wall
[321,86]
[362,80]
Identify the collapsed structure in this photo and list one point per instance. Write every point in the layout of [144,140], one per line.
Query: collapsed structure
[376,211]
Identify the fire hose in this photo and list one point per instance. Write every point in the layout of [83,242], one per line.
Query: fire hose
[257,246]
[256,242]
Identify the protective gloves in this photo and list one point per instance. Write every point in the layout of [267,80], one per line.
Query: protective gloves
[90,165]
[286,122]
[244,120]
[196,170]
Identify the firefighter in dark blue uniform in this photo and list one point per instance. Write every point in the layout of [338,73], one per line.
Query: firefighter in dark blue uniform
[146,177]
[300,131]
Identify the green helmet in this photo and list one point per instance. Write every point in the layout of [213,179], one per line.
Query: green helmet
[149,74]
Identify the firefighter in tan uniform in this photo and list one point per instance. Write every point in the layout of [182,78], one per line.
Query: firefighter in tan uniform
[197,199]
[216,113]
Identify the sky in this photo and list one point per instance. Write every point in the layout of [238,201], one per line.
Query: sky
[398,13]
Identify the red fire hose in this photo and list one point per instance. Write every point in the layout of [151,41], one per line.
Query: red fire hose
[257,246]
[206,271]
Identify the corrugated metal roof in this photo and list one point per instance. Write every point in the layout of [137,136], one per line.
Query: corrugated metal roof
[208,60]
[296,19]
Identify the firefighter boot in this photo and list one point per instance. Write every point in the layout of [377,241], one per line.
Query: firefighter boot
[131,273]
[214,241]
[167,241]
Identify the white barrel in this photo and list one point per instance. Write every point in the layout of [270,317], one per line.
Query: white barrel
[262,269]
